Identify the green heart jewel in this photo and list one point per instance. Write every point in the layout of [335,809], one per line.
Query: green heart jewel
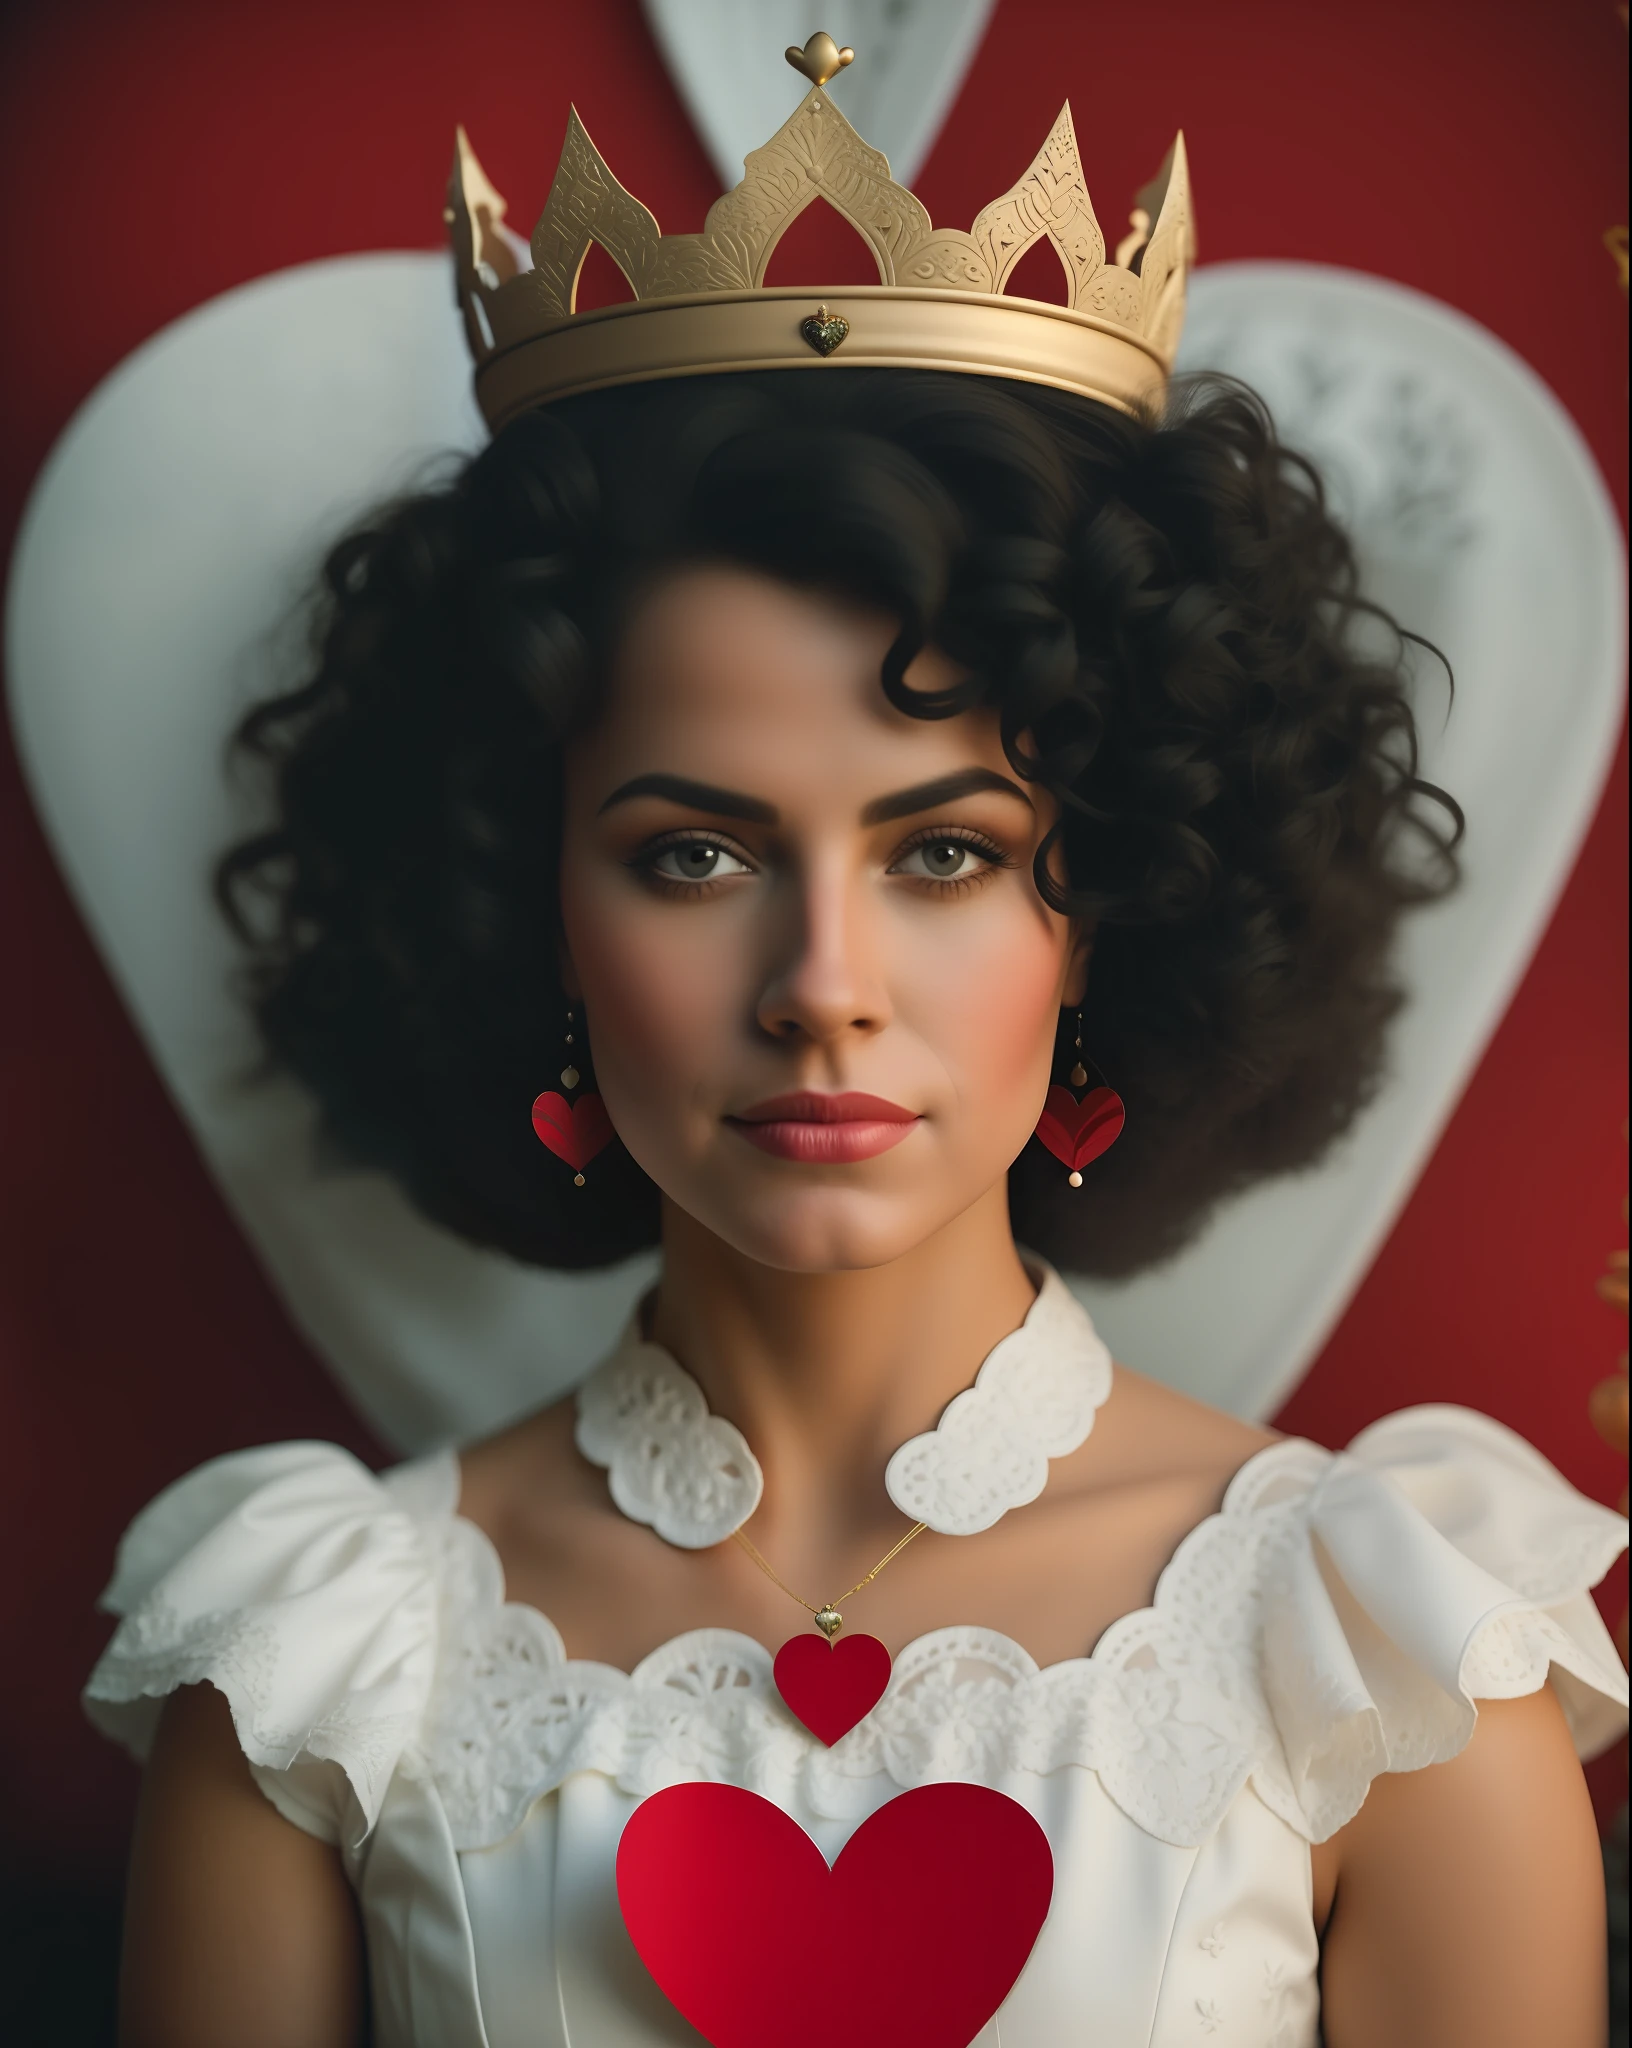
[824,330]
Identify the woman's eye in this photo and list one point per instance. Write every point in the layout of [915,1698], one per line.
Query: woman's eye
[943,860]
[696,860]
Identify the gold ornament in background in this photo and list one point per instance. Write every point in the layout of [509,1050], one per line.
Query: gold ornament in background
[1615,243]
[701,304]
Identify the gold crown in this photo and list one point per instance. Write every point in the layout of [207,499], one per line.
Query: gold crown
[700,306]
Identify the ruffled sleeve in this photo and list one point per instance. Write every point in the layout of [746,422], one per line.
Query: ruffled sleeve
[306,1590]
[1439,1561]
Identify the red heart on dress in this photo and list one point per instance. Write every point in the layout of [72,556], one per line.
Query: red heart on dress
[916,1934]
[830,1686]
[574,1131]
[1078,1132]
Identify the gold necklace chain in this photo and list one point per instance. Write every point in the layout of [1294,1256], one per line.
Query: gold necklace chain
[828,1618]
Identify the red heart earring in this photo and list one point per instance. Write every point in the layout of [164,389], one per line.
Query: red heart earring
[574,1131]
[1078,1132]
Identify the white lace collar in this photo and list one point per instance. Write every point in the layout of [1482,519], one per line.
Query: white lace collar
[1338,1616]
[691,1476]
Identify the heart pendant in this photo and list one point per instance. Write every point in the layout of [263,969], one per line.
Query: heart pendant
[574,1131]
[831,1686]
[1078,1132]
[824,330]
[934,1904]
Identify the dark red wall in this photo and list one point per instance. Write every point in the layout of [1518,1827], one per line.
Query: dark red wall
[157,152]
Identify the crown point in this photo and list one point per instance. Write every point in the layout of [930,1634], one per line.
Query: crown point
[820,59]
[1133,310]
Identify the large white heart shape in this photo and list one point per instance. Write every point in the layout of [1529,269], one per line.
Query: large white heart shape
[186,506]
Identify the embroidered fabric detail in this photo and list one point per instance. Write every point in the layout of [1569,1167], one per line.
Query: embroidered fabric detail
[157,1650]
[1337,1617]
[1035,1398]
[304,1590]
[1257,1660]
[669,1463]
[693,1478]
[512,1717]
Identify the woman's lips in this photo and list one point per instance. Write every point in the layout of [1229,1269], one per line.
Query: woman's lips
[824,1130]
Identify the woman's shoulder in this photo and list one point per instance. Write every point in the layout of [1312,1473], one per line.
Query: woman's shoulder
[1325,1616]
[1158,1462]
[532,1458]
[1321,1617]
[1376,1594]
[1150,1429]
[305,1588]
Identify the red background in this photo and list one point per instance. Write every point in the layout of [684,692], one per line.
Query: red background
[156,154]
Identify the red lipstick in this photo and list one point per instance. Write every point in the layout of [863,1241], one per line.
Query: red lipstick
[824,1130]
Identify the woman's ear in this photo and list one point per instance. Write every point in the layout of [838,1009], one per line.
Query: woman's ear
[571,985]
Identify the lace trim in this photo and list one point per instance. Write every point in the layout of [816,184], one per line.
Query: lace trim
[1166,1723]
[670,1464]
[333,1653]
[155,1653]
[1180,1704]
[1035,1398]
[692,1477]
[1258,1657]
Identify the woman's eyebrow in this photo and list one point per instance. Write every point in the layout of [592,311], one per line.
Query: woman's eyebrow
[696,796]
[900,803]
[945,789]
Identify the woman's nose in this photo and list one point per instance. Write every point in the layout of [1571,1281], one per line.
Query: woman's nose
[827,980]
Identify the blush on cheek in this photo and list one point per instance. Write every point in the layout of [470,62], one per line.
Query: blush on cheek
[1017,1029]
[627,1045]
[656,1017]
[638,1022]
[995,1020]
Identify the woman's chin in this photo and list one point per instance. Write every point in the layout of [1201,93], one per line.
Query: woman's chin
[823,1230]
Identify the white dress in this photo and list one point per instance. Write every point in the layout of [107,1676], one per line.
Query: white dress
[1337,1618]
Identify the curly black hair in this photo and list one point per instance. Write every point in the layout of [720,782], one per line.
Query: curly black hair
[1165,614]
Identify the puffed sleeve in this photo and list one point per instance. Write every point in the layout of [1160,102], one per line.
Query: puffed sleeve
[305,1589]
[1440,1560]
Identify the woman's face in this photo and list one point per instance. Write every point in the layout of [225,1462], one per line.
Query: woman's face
[779,892]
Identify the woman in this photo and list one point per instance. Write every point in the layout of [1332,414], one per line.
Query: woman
[798,777]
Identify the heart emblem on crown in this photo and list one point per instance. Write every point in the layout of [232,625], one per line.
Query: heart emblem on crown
[831,1686]
[573,1131]
[1078,1132]
[933,1906]
[824,330]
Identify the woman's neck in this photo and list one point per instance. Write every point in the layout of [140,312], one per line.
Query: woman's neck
[826,1374]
